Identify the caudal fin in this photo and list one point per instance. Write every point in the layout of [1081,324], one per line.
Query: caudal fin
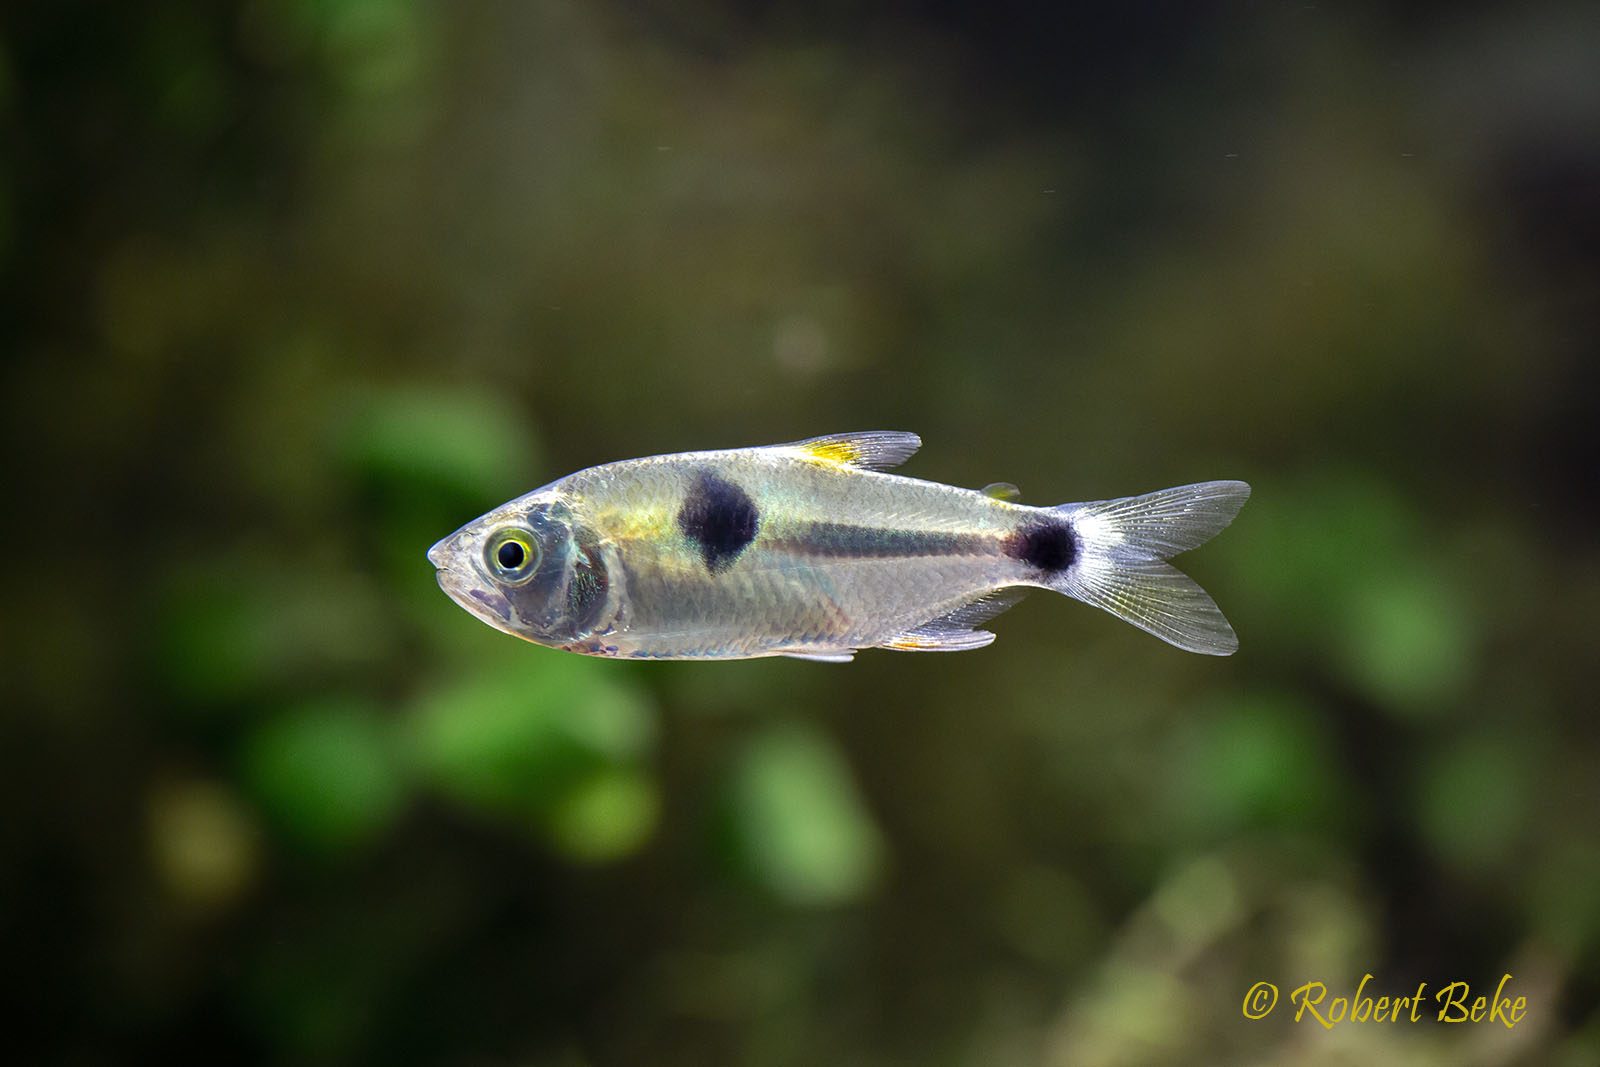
[1120,565]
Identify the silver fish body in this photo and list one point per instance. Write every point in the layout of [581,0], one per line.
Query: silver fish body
[810,549]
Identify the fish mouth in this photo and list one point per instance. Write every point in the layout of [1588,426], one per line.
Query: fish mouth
[437,554]
[460,585]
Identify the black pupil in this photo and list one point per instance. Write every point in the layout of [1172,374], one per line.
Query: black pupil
[510,555]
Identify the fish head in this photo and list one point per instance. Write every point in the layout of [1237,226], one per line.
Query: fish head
[528,568]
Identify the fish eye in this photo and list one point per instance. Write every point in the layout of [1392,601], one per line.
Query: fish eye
[512,555]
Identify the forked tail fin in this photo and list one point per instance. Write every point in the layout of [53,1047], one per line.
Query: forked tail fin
[1120,564]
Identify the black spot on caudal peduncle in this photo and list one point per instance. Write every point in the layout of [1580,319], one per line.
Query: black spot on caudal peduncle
[720,518]
[1048,544]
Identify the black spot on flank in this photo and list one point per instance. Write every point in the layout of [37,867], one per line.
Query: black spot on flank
[1048,544]
[720,518]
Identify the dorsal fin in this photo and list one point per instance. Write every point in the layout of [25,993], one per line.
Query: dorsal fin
[956,631]
[1001,491]
[872,450]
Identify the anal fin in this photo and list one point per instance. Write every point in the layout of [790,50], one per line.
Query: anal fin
[957,631]
[934,637]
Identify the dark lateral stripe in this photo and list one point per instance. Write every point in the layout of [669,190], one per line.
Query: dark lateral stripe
[846,541]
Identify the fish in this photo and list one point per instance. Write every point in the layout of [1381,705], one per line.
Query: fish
[813,550]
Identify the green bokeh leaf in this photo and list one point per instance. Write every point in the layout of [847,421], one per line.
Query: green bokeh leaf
[1473,799]
[1406,639]
[799,824]
[233,629]
[470,443]
[606,816]
[1260,761]
[1341,564]
[326,773]
[517,736]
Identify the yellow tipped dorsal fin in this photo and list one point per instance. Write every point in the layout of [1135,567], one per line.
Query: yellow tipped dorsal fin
[1001,491]
[872,450]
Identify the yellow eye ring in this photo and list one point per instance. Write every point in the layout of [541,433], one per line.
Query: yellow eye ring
[512,555]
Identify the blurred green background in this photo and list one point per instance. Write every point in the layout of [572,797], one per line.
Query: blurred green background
[292,289]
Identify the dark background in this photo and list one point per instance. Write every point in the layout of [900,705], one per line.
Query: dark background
[293,289]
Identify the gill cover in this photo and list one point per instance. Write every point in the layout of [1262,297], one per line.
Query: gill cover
[551,571]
